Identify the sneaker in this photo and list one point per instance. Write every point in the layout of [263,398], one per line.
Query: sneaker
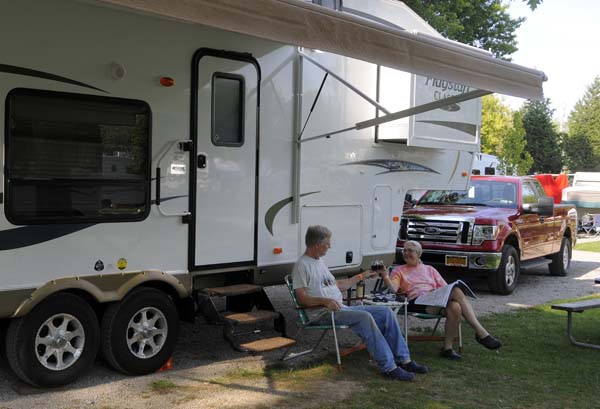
[489,342]
[450,354]
[400,374]
[414,367]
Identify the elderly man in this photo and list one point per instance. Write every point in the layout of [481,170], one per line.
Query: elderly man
[315,286]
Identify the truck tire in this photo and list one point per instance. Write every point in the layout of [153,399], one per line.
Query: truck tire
[561,261]
[139,333]
[55,343]
[504,280]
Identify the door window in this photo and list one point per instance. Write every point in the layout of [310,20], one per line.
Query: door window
[228,109]
[529,195]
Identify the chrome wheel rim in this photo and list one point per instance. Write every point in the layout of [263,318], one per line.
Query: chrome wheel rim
[147,332]
[510,271]
[59,342]
[565,256]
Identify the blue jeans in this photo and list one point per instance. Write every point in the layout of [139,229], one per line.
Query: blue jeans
[379,329]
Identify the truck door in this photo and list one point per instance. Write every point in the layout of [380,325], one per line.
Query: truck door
[533,227]
[225,100]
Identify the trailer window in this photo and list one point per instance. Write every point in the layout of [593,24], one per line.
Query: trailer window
[75,158]
[228,92]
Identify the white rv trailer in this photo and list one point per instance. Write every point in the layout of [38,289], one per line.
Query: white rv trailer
[153,149]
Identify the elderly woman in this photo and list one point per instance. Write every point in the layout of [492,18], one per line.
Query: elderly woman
[415,278]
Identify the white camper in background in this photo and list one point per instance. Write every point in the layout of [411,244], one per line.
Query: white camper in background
[485,164]
[156,150]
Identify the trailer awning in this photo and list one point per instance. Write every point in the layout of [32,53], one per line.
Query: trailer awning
[303,24]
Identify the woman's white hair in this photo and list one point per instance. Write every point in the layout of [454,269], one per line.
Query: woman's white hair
[415,245]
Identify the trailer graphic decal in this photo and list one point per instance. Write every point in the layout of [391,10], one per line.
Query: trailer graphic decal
[12,69]
[35,234]
[273,210]
[393,165]
[471,129]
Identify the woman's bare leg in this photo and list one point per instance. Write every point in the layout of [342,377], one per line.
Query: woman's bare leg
[453,313]
[467,311]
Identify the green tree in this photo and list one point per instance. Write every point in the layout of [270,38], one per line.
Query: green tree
[541,136]
[496,120]
[483,23]
[584,131]
[512,153]
[578,153]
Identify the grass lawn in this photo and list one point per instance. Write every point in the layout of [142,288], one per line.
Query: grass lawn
[536,368]
[589,246]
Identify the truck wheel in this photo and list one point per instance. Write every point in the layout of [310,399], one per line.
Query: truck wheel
[55,343]
[504,280]
[561,260]
[139,333]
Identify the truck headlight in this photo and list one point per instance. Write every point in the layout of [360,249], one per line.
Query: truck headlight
[482,233]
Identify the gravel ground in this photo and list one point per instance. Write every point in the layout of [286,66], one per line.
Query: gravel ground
[202,356]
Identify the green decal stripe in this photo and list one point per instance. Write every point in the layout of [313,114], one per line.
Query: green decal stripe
[273,210]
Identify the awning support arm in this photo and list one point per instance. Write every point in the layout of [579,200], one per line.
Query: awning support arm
[403,114]
[312,108]
[422,108]
[346,83]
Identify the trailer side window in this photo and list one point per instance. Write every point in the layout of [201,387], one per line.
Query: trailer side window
[228,91]
[74,158]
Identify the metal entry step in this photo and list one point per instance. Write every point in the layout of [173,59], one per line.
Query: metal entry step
[231,290]
[267,344]
[251,317]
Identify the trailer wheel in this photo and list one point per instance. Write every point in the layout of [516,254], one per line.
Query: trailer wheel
[504,280]
[561,261]
[55,343]
[139,333]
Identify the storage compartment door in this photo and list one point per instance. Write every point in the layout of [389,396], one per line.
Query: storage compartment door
[345,223]
[382,217]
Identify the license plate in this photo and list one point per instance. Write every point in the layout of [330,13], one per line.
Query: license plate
[457,261]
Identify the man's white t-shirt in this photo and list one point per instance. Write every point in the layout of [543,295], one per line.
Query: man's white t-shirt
[314,275]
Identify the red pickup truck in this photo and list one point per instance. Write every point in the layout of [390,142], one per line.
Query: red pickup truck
[498,226]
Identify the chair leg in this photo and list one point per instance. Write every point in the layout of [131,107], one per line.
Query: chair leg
[460,343]
[286,357]
[337,347]
[435,326]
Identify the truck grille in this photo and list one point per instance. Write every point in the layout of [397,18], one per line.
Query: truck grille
[435,231]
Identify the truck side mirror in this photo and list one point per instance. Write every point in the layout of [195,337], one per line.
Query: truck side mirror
[544,206]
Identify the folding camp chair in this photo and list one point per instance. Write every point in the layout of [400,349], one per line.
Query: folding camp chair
[590,223]
[306,323]
[422,316]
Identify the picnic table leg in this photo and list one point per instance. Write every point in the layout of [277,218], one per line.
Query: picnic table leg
[572,338]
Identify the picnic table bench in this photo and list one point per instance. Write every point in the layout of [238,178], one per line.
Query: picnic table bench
[577,306]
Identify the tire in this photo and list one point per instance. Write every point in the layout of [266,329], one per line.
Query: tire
[139,333]
[55,343]
[561,261]
[504,280]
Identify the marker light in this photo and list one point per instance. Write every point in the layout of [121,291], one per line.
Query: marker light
[395,218]
[167,81]
[277,250]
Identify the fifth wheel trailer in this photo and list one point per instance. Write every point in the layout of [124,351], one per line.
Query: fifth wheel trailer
[154,150]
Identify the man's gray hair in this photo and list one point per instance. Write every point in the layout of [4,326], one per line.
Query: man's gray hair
[316,235]
[415,245]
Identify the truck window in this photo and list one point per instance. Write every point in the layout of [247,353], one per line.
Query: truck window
[73,158]
[480,193]
[529,193]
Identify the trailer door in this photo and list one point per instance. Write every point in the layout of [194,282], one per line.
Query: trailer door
[225,99]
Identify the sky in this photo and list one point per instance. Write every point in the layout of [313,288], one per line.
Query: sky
[560,37]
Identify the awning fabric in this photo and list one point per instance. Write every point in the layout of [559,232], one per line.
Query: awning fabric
[303,24]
